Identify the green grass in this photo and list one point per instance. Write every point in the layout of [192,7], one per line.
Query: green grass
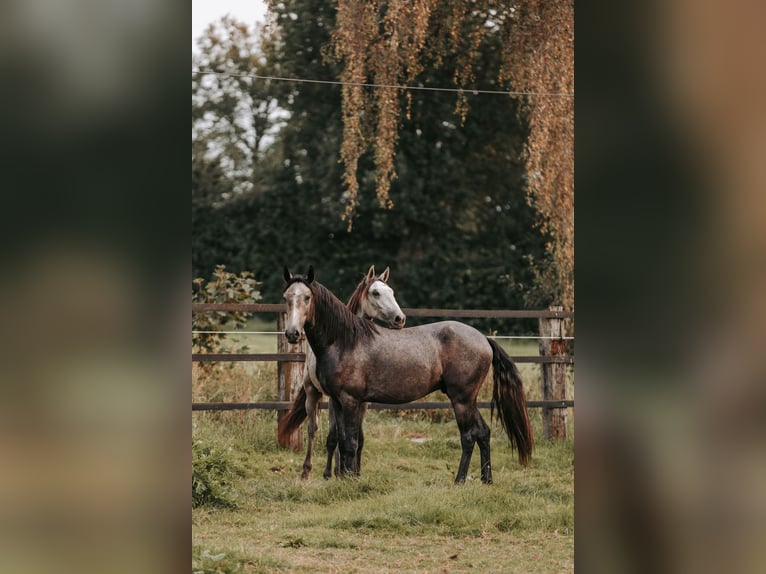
[256,343]
[404,514]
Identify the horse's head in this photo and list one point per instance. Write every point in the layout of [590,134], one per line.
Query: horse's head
[300,303]
[378,301]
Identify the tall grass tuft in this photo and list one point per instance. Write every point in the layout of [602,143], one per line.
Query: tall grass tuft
[229,562]
[214,474]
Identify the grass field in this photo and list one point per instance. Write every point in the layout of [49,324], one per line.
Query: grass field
[404,514]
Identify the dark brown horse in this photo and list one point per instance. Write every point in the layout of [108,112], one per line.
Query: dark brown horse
[372,299]
[358,363]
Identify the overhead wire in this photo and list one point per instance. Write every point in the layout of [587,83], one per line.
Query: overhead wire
[389,86]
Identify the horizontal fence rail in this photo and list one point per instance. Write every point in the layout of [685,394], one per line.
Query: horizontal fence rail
[236,357]
[300,357]
[284,405]
[472,313]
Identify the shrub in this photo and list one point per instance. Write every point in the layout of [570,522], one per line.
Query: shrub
[223,287]
[214,473]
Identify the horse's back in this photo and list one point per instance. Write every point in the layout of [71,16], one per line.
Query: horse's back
[434,337]
[456,336]
[449,330]
[445,342]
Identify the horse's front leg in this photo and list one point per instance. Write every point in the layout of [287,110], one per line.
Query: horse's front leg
[313,396]
[333,452]
[348,419]
[332,442]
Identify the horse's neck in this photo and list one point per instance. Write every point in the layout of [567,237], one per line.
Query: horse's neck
[318,346]
[316,340]
[319,332]
[333,325]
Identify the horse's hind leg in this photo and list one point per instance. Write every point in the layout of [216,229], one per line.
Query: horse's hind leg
[313,397]
[482,438]
[472,429]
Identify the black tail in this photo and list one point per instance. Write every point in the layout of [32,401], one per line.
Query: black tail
[508,397]
[292,419]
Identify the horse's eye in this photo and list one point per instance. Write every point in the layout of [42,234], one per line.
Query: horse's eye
[306,298]
[376,293]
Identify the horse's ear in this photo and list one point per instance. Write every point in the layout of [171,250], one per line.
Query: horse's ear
[310,275]
[286,274]
[370,274]
[384,275]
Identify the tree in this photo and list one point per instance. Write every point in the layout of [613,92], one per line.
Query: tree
[539,57]
[233,114]
[388,42]
[234,119]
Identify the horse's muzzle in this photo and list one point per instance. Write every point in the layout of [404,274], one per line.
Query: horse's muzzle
[292,336]
[399,321]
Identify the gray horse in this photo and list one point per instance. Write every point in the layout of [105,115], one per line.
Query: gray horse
[356,362]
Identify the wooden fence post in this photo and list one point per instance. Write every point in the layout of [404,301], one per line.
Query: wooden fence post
[289,377]
[554,379]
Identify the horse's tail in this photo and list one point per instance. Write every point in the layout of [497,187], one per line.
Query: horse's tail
[292,419]
[508,397]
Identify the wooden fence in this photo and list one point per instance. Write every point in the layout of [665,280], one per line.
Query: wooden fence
[552,346]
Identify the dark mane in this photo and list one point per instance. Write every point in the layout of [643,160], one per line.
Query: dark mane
[334,322]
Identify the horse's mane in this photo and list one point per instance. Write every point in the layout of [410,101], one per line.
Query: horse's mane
[355,301]
[333,321]
[338,323]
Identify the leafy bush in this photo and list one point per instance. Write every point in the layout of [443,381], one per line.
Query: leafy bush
[214,473]
[224,287]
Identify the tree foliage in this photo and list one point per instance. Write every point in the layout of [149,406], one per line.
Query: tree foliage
[389,42]
[539,58]
[378,43]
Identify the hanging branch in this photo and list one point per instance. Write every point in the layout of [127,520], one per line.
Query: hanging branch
[384,42]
